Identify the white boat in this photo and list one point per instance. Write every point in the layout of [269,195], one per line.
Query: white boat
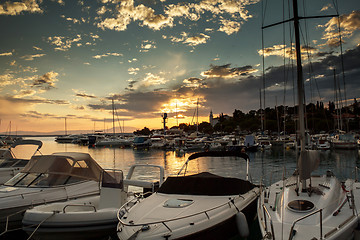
[306,206]
[10,165]
[46,179]
[113,142]
[92,217]
[200,206]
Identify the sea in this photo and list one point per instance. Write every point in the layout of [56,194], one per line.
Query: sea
[265,166]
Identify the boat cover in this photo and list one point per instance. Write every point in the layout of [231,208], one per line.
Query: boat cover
[205,183]
[75,164]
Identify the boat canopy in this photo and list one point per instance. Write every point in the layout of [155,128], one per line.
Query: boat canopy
[205,183]
[27,142]
[80,165]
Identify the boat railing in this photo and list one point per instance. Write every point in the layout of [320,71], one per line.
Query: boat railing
[291,235]
[266,213]
[133,201]
[79,206]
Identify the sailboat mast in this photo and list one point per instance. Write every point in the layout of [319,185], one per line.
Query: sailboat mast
[300,85]
[113,117]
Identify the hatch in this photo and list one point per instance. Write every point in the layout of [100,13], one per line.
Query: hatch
[178,203]
[301,206]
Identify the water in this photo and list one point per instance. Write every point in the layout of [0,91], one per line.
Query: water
[265,166]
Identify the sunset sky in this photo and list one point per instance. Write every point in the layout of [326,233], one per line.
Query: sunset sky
[68,59]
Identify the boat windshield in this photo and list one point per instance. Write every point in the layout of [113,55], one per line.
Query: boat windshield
[40,180]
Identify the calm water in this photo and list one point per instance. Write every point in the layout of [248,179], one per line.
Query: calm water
[267,165]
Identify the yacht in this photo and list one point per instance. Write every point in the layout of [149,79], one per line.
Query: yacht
[199,206]
[46,179]
[93,217]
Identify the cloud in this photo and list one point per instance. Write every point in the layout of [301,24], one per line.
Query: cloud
[16,8]
[146,45]
[288,52]
[24,93]
[326,7]
[349,24]
[226,72]
[32,57]
[126,12]
[63,43]
[229,27]
[191,41]
[133,71]
[108,55]
[82,94]
[6,54]
[46,81]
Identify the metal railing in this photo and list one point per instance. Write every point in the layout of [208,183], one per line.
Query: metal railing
[266,212]
[291,235]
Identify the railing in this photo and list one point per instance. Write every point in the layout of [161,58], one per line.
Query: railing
[291,235]
[266,212]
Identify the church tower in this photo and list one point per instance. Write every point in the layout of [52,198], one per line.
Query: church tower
[211,118]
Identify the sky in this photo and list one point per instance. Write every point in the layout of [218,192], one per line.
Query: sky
[68,59]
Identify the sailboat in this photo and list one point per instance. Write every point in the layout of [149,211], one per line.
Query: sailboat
[113,141]
[305,206]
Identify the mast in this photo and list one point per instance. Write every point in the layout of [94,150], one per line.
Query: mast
[113,117]
[300,85]
[65,128]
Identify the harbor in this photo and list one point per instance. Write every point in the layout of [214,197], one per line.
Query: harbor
[265,166]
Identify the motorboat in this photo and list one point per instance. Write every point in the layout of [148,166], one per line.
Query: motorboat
[10,165]
[113,142]
[46,179]
[199,206]
[141,142]
[305,205]
[93,217]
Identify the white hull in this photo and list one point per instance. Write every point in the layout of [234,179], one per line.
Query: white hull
[338,218]
[77,219]
[202,214]
[14,201]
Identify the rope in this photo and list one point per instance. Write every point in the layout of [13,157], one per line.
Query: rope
[7,222]
[40,224]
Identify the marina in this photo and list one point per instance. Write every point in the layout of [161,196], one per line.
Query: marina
[264,165]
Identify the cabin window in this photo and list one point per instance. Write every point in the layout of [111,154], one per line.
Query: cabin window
[27,180]
[15,179]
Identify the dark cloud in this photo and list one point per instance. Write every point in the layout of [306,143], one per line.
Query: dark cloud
[225,71]
[84,95]
[46,81]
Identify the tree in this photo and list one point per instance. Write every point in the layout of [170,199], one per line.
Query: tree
[144,131]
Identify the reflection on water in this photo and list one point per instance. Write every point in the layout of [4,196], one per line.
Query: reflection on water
[269,165]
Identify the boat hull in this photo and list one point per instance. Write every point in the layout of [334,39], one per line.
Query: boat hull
[218,223]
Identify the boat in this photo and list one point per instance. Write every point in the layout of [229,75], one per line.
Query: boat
[199,206]
[113,142]
[344,141]
[93,217]
[305,205]
[10,165]
[46,179]
[141,142]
